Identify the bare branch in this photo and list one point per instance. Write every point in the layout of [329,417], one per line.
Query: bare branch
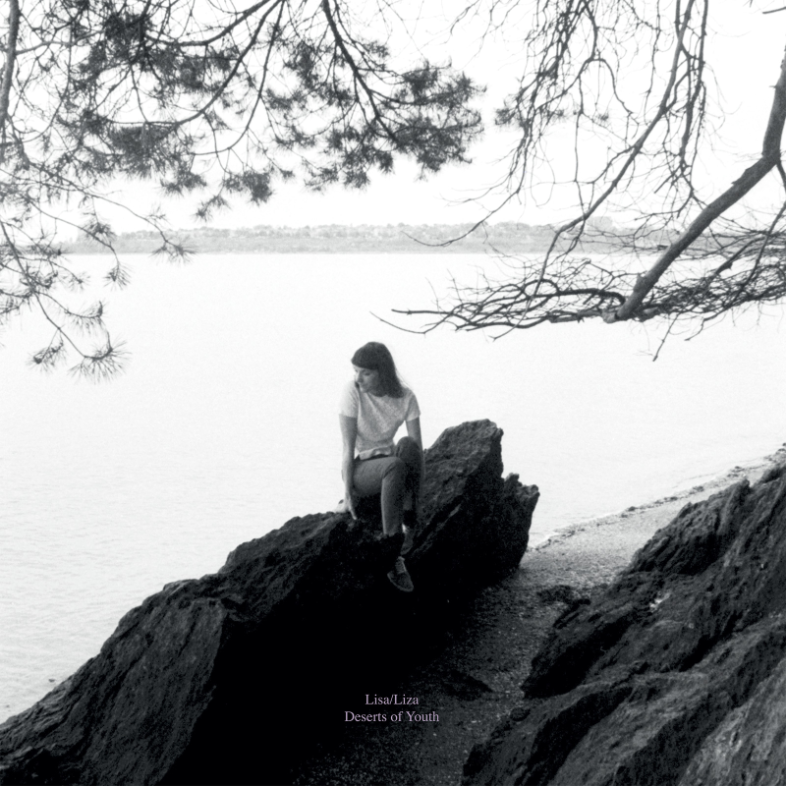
[8,71]
[770,158]
[622,78]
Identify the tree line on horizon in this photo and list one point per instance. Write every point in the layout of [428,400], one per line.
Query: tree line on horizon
[504,237]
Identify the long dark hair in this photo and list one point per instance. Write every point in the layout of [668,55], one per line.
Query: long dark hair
[376,357]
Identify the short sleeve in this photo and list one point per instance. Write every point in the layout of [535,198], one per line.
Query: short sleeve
[349,405]
[413,410]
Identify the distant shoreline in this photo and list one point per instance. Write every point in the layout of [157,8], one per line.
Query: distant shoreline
[503,238]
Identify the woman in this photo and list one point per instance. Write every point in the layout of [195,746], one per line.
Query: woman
[373,407]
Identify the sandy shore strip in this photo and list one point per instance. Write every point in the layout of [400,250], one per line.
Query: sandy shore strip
[593,552]
[475,681]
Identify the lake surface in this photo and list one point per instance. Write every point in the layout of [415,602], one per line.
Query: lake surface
[224,425]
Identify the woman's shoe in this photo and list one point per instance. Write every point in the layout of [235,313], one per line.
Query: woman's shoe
[399,576]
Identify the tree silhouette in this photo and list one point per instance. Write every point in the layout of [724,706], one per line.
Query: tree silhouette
[616,100]
[620,93]
[193,95]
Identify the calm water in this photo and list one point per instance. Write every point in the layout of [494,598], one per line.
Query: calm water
[224,426]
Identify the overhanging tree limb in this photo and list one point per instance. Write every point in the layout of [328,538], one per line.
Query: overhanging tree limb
[613,114]
[770,158]
[222,102]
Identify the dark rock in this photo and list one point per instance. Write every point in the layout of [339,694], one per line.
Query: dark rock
[749,746]
[676,674]
[563,593]
[464,686]
[224,678]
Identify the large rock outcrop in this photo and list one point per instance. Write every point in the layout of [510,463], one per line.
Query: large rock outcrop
[224,678]
[676,675]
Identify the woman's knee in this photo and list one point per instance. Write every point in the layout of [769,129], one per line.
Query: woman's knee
[408,450]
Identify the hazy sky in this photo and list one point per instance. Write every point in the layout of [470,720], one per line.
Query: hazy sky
[745,52]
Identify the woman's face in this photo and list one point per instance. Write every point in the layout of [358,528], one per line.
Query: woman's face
[366,379]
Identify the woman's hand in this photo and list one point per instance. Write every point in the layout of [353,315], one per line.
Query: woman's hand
[347,505]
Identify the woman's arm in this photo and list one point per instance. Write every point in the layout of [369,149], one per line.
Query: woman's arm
[413,429]
[349,431]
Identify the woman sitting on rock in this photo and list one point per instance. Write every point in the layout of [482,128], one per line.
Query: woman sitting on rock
[373,407]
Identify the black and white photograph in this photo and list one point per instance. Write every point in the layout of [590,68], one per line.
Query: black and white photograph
[393,392]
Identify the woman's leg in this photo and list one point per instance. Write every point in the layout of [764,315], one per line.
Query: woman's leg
[385,476]
[411,454]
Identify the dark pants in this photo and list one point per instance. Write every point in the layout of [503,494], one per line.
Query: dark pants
[395,478]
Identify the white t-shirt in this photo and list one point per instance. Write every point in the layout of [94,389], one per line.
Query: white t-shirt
[378,417]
